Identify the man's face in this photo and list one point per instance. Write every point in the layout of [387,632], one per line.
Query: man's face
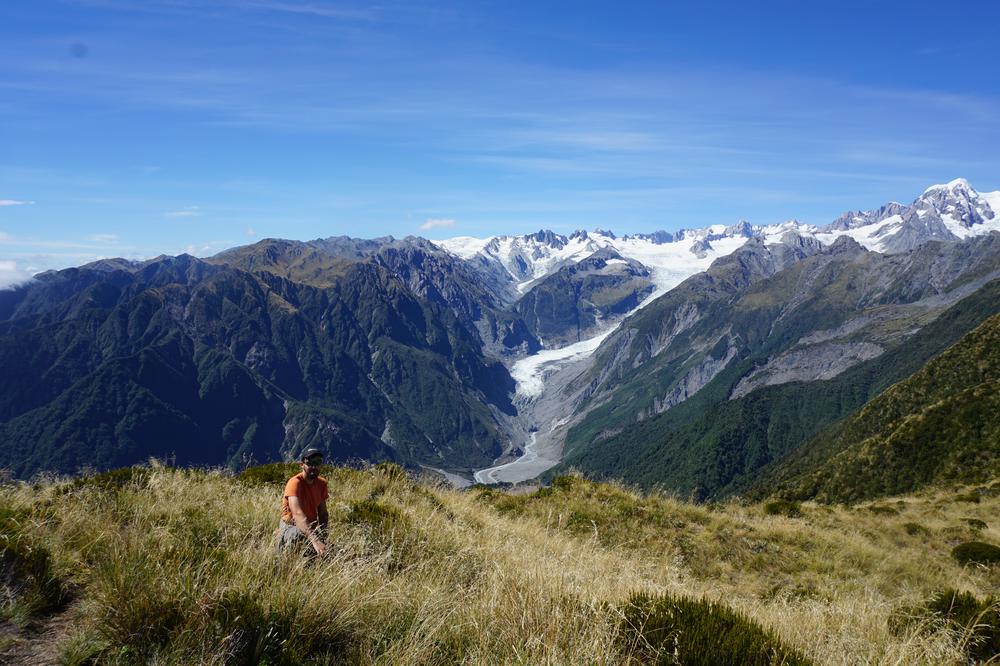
[311,467]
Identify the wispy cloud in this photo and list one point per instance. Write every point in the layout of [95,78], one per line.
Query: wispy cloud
[437,223]
[531,163]
[11,276]
[19,267]
[190,211]
[209,248]
[50,244]
[251,233]
[96,245]
[194,8]
[591,138]
[313,9]
[15,202]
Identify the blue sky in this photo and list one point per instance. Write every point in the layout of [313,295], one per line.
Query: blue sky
[139,128]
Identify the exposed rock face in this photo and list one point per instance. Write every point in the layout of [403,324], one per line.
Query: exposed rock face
[855,219]
[916,230]
[701,248]
[657,237]
[806,364]
[704,372]
[794,246]
[547,237]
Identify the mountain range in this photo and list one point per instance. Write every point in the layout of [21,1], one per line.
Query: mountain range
[729,359]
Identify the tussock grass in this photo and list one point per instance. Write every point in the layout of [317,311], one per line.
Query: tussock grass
[660,628]
[976,552]
[178,566]
[28,583]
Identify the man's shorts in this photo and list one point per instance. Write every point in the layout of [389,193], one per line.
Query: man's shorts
[289,535]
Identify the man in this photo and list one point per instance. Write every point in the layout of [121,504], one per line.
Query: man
[303,507]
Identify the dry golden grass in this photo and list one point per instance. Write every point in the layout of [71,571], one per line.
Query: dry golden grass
[178,567]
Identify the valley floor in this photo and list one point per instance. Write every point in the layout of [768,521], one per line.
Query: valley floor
[178,566]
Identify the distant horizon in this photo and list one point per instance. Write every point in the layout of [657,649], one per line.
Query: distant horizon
[171,126]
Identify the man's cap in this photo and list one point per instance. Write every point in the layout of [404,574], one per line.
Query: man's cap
[311,453]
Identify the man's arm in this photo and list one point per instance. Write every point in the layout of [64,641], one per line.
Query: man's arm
[301,522]
[322,517]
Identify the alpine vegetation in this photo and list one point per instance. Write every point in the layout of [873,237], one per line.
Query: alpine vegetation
[179,566]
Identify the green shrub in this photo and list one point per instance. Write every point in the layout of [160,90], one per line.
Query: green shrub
[543,492]
[384,520]
[273,474]
[564,482]
[783,508]
[392,532]
[979,619]
[883,510]
[676,630]
[976,552]
[503,503]
[585,519]
[953,604]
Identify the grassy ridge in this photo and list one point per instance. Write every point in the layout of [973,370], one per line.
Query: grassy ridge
[175,567]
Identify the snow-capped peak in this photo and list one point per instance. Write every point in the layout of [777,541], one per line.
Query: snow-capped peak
[948,212]
[957,184]
[671,257]
[465,247]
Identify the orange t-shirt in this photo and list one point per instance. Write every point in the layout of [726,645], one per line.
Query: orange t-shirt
[310,495]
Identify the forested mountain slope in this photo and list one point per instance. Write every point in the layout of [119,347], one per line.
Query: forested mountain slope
[941,424]
[208,364]
[792,354]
